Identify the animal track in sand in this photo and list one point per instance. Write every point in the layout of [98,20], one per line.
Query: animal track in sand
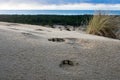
[57,39]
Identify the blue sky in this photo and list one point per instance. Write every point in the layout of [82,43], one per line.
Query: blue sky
[66,1]
[60,4]
[80,1]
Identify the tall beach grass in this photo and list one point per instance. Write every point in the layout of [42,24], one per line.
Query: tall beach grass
[103,24]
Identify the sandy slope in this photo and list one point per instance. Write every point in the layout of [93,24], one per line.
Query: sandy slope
[26,54]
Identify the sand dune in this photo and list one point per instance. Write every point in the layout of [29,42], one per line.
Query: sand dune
[29,52]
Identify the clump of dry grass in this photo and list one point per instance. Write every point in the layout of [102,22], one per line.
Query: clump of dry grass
[103,25]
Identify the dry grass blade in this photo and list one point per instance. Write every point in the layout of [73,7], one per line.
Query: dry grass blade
[103,25]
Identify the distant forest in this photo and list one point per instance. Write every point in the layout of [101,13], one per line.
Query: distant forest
[75,20]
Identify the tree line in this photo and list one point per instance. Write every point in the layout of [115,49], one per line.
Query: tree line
[72,20]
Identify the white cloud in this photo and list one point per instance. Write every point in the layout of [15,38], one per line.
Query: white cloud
[80,6]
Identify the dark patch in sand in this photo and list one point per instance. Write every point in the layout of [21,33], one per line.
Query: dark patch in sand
[38,29]
[42,30]
[14,24]
[57,40]
[68,29]
[65,63]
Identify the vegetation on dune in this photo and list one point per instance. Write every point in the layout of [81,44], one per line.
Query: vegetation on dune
[103,25]
[73,20]
[99,24]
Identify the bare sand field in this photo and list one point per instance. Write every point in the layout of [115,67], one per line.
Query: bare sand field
[30,52]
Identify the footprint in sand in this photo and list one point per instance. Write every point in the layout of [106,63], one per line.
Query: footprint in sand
[14,24]
[68,64]
[56,39]
[38,29]
[75,42]
[42,30]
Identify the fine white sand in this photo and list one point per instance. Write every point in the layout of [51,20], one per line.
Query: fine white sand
[27,54]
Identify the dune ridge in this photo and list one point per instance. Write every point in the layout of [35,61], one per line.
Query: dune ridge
[31,52]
